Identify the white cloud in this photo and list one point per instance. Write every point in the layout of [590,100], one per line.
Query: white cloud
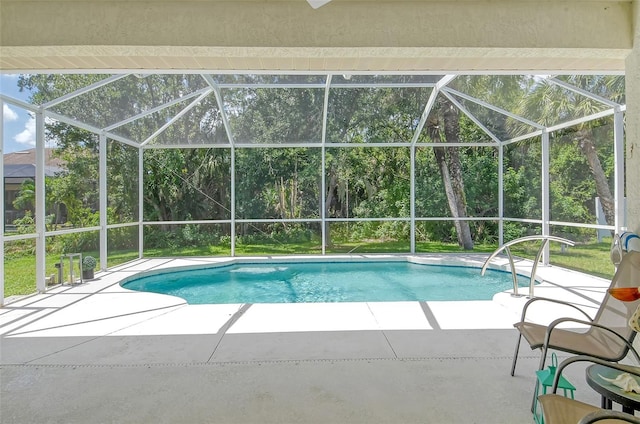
[8,113]
[28,135]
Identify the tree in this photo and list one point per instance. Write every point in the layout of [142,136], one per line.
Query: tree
[549,104]
[26,197]
[371,182]
[77,186]
[446,120]
[284,182]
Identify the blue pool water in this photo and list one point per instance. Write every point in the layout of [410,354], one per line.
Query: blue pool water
[327,282]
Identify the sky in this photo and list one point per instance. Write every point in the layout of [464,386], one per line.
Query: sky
[19,125]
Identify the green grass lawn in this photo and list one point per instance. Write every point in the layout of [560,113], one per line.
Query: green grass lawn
[20,273]
[589,258]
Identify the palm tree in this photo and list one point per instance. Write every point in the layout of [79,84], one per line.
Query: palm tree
[548,104]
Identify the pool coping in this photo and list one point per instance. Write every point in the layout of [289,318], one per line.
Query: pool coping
[584,290]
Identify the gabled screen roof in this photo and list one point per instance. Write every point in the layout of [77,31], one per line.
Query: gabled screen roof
[163,110]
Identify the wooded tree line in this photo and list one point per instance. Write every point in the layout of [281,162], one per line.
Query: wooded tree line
[191,183]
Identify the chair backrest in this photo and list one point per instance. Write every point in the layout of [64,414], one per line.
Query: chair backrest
[613,313]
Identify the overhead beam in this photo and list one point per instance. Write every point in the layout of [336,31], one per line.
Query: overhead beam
[290,35]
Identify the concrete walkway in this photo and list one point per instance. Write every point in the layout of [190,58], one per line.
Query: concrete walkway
[97,353]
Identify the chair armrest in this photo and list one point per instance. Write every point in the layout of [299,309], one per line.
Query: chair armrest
[561,302]
[589,323]
[608,415]
[558,321]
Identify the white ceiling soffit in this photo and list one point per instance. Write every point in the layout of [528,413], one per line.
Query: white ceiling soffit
[317,3]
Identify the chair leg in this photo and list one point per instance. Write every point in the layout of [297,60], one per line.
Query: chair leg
[515,355]
[542,361]
[543,357]
[533,401]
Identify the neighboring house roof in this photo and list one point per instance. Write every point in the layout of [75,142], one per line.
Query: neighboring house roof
[22,164]
[29,171]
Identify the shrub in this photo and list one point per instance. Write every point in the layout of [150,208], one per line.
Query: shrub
[88,263]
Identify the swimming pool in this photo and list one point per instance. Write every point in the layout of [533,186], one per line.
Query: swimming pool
[310,282]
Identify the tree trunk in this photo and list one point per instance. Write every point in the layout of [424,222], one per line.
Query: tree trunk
[161,213]
[448,186]
[585,142]
[452,135]
[332,183]
[441,160]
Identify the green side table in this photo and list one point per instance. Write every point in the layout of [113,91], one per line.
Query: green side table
[545,381]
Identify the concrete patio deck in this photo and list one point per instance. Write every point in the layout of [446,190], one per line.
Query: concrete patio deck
[98,353]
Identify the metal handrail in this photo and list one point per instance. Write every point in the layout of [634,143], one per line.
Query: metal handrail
[505,247]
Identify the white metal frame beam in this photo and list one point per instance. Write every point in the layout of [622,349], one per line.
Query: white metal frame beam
[96,130]
[472,117]
[154,110]
[140,202]
[582,92]
[40,204]
[82,91]
[178,115]
[545,206]
[323,164]
[103,199]
[494,108]
[619,170]
[220,101]
[429,106]
[2,276]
